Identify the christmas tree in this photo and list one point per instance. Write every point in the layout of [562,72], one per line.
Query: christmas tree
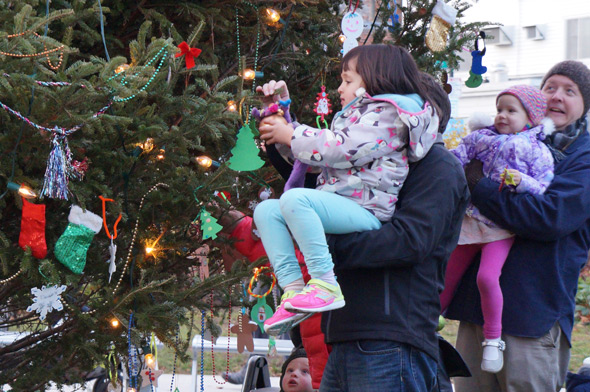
[118,102]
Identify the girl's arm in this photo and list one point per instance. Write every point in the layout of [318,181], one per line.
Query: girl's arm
[466,150]
[562,209]
[355,145]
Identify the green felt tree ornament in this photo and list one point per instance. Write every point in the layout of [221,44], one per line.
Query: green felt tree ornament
[245,152]
[209,225]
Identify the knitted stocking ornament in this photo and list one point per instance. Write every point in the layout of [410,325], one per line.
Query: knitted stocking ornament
[32,229]
[443,18]
[73,244]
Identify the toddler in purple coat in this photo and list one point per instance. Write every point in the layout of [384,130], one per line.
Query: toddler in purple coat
[513,153]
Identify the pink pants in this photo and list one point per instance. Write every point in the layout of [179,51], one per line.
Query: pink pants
[493,256]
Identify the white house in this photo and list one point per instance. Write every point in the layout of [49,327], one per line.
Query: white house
[535,34]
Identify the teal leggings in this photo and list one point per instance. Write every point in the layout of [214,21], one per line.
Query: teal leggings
[308,214]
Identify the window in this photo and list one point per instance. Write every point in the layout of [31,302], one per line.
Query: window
[498,35]
[534,33]
[578,36]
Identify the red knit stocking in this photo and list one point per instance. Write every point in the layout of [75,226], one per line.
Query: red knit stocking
[32,229]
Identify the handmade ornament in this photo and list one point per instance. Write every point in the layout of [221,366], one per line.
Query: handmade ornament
[322,106]
[58,166]
[190,54]
[266,193]
[445,81]
[153,375]
[112,246]
[506,179]
[443,18]
[297,177]
[393,18]
[474,80]
[73,244]
[32,229]
[244,330]
[245,152]
[46,300]
[78,169]
[477,56]
[201,256]
[352,28]
[209,225]
[260,312]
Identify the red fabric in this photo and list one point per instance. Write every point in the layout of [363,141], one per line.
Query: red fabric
[311,331]
[32,229]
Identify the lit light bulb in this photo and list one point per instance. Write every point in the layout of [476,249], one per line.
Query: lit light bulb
[207,162]
[150,361]
[148,145]
[231,106]
[161,155]
[22,190]
[114,323]
[204,161]
[131,389]
[121,68]
[342,38]
[149,250]
[249,74]
[273,15]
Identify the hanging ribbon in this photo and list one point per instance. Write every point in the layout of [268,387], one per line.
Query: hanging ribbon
[190,54]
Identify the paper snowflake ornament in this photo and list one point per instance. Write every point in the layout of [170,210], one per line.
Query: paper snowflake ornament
[46,300]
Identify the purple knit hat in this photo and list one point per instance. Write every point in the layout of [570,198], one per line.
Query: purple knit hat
[531,98]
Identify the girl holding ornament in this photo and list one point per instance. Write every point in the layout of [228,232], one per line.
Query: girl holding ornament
[513,153]
[386,121]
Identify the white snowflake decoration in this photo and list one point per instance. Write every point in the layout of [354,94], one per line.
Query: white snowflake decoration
[46,299]
[252,204]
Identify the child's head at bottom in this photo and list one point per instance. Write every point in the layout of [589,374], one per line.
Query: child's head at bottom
[295,375]
[519,108]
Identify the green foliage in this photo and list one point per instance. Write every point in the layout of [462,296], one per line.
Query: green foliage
[583,300]
[183,112]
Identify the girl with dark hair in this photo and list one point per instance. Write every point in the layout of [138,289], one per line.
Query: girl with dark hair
[384,124]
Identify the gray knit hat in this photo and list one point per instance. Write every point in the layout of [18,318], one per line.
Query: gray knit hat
[578,73]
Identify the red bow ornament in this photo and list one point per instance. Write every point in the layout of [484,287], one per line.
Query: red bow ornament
[190,54]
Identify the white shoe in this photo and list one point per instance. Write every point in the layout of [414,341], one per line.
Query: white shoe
[493,356]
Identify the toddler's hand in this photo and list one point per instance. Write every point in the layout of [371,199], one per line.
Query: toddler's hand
[275,129]
[271,90]
[513,178]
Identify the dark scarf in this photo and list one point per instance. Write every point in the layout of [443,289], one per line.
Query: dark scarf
[559,141]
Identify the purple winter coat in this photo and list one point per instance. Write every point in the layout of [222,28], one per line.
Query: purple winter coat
[523,151]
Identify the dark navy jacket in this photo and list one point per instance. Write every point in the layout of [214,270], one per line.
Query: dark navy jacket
[540,277]
[391,278]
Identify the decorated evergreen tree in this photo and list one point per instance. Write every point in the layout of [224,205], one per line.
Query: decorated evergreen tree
[105,110]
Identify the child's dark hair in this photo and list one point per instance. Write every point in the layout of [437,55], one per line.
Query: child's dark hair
[440,99]
[388,69]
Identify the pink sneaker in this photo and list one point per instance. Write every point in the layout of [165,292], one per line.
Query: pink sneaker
[317,296]
[283,320]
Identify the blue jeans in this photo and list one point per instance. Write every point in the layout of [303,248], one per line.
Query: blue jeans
[379,366]
[308,214]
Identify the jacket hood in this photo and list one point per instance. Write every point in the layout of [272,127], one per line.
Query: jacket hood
[420,117]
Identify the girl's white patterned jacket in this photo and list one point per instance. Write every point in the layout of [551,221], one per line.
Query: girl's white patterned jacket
[364,155]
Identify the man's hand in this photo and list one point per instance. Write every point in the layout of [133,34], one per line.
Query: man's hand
[473,173]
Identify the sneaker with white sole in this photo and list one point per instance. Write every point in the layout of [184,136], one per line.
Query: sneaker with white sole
[317,296]
[493,356]
[283,320]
